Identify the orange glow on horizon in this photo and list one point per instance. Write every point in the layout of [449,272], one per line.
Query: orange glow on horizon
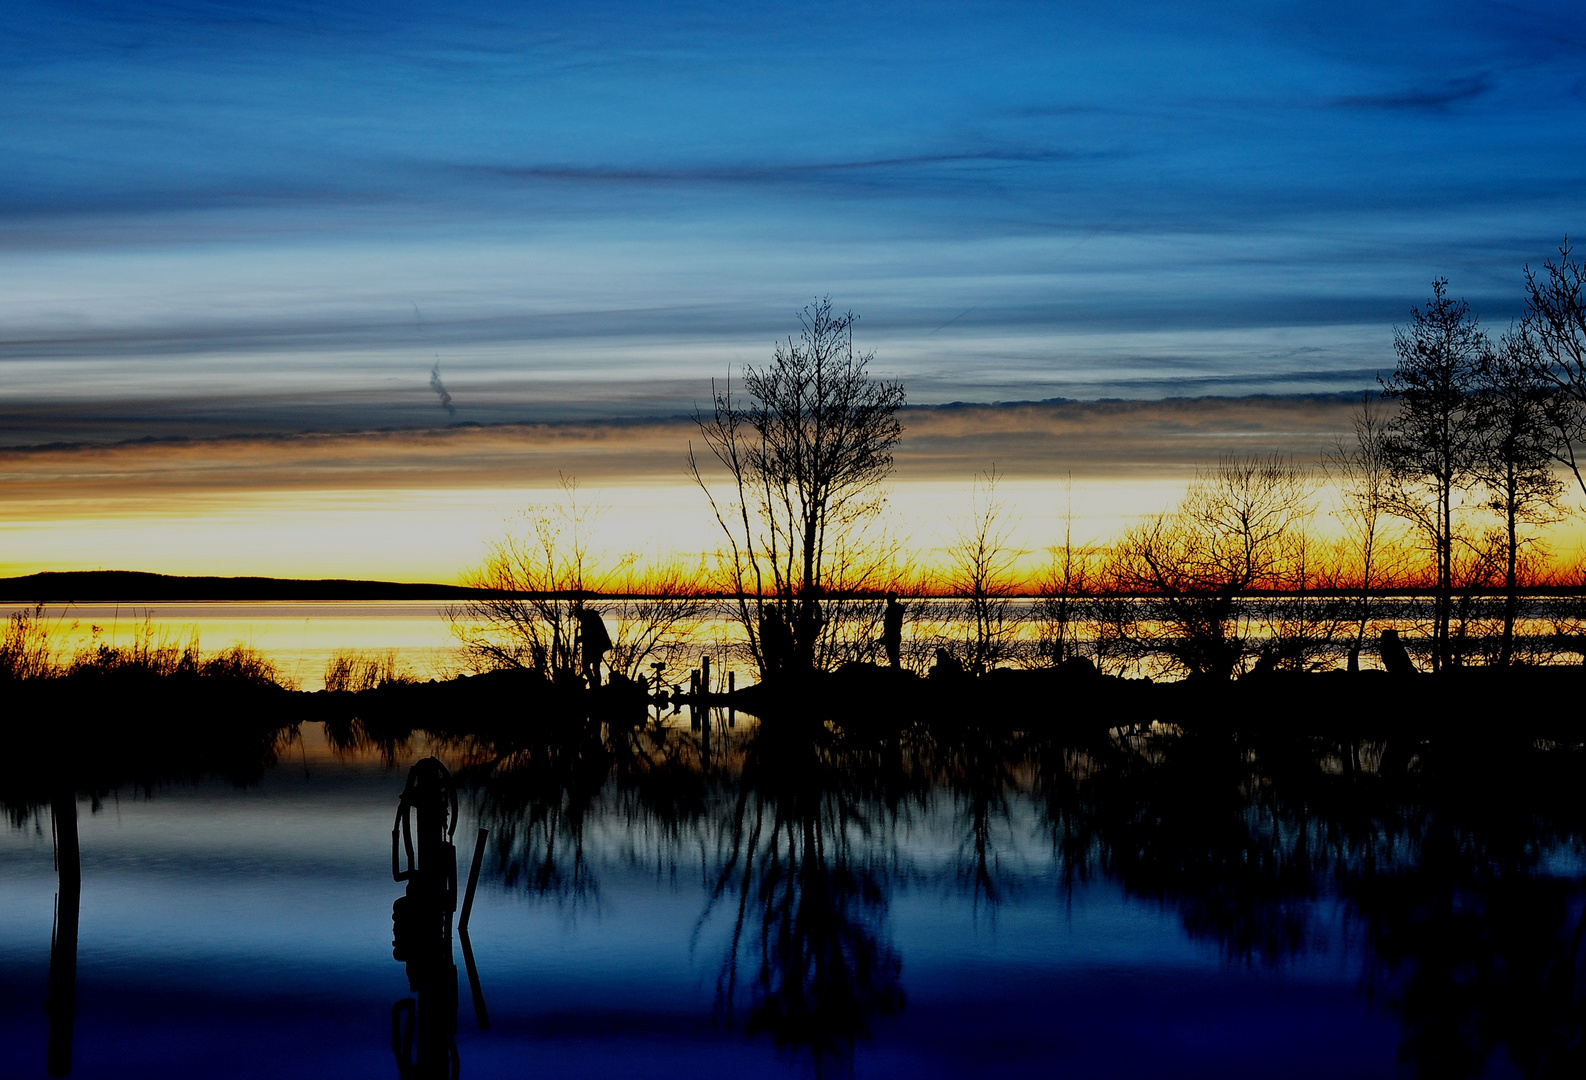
[422,506]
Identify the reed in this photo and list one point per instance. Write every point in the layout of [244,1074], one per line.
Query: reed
[354,670]
[29,651]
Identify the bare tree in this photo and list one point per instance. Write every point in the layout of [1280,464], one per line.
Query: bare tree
[1515,455]
[1061,591]
[1555,332]
[1307,611]
[1431,439]
[980,563]
[1361,469]
[807,449]
[860,567]
[539,580]
[1477,569]
[1189,567]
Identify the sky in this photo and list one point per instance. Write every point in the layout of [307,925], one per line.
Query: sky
[327,234]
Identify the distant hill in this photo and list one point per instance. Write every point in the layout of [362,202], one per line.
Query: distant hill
[90,586]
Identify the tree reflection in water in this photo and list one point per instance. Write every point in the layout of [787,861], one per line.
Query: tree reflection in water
[1452,854]
[810,902]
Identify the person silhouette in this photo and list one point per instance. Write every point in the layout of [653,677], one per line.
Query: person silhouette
[892,630]
[595,642]
[947,666]
[1394,657]
[776,642]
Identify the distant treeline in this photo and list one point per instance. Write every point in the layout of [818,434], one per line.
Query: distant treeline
[129,586]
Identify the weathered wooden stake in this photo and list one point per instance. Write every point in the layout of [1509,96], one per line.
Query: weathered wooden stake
[473,879]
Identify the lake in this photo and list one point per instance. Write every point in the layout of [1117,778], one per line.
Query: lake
[300,638]
[973,900]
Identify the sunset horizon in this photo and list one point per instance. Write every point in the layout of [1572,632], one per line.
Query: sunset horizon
[882,540]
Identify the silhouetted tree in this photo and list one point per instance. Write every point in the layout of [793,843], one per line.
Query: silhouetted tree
[806,449]
[1060,593]
[1189,566]
[979,573]
[1515,452]
[1361,468]
[1431,440]
[540,579]
[1555,333]
[1309,611]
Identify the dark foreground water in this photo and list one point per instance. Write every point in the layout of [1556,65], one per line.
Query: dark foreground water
[977,904]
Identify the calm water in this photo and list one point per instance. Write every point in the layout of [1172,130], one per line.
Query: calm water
[964,905]
[299,638]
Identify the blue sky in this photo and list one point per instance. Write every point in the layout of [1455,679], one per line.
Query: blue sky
[262,216]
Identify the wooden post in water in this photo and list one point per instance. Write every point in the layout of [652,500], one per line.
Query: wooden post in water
[473,879]
[732,709]
[481,1014]
[703,727]
[424,1027]
[704,691]
[693,700]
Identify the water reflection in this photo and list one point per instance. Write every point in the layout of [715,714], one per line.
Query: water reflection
[809,900]
[117,735]
[60,1005]
[1455,860]
[424,1027]
[1440,862]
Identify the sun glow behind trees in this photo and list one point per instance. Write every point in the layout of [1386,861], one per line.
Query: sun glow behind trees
[419,535]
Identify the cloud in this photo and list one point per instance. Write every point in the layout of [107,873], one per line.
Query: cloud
[219,220]
[769,171]
[1137,439]
[936,121]
[1434,97]
[1027,441]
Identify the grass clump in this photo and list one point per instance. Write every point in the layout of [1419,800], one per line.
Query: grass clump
[28,652]
[25,649]
[354,670]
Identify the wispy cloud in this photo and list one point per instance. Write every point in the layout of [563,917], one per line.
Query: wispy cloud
[1437,96]
[1028,441]
[221,218]
[440,388]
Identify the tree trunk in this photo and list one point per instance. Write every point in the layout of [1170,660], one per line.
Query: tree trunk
[1511,599]
[1445,581]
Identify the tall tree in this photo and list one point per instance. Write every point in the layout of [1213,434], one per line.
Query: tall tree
[1431,440]
[1515,454]
[979,573]
[1060,592]
[1555,334]
[1362,471]
[807,448]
